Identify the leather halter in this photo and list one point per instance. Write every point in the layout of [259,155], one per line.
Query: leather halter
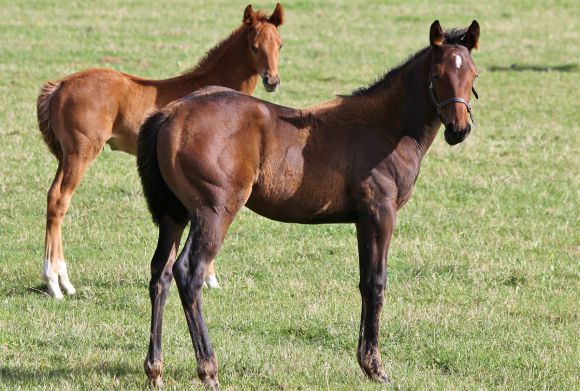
[440,105]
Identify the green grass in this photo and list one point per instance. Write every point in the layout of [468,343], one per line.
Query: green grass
[484,270]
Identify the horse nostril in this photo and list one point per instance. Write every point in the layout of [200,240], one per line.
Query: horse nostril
[271,83]
[268,79]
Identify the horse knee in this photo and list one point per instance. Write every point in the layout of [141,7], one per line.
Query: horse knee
[373,286]
[55,204]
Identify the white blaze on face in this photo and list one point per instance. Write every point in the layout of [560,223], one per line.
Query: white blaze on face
[458,61]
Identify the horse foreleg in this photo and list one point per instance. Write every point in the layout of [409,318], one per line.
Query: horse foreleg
[374,235]
[69,175]
[161,276]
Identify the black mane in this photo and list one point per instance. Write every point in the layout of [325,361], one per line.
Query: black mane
[452,37]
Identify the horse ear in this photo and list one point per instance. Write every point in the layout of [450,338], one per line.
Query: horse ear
[277,17]
[436,36]
[249,17]
[471,39]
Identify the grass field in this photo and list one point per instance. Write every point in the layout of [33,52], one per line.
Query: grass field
[484,274]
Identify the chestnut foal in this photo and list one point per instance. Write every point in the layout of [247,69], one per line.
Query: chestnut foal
[354,159]
[81,113]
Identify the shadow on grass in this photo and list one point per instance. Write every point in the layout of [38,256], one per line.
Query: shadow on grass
[21,290]
[19,376]
[535,68]
[40,289]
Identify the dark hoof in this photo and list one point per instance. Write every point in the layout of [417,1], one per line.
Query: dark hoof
[380,377]
[372,367]
[155,384]
[211,384]
[154,372]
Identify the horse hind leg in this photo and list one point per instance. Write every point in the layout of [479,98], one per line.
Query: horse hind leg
[52,239]
[161,276]
[204,241]
[69,174]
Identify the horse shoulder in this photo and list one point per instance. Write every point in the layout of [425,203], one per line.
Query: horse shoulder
[405,166]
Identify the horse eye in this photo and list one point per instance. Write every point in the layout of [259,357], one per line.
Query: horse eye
[254,49]
[281,46]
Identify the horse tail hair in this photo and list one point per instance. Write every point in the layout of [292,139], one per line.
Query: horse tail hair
[160,199]
[43,114]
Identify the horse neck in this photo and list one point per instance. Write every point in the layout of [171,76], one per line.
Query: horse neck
[229,64]
[403,109]
[420,118]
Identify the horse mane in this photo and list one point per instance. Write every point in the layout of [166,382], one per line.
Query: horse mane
[225,44]
[452,37]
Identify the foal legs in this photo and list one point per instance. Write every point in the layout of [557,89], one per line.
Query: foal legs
[374,235]
[203,243]
[161,276]
[69,174]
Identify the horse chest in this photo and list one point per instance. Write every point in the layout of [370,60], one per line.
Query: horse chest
[405,181]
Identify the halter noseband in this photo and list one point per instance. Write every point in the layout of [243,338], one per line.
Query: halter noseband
[440,105]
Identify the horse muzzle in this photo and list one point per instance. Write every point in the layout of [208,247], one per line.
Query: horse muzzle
[271,84]
[455,135]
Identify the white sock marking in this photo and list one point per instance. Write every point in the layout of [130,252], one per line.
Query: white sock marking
[212,282]
[51,280]
[68,287]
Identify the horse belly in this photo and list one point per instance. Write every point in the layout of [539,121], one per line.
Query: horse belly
[294,196]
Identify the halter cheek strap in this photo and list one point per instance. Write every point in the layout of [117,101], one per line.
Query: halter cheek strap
[440,105]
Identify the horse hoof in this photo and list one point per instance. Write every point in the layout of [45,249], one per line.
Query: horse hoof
[51,280]
[68,288]
[211,282]
[153,371]
[55,294]
[65,283]
[156,383]
[381,378]
[53,288]
[212,384]
[378,375]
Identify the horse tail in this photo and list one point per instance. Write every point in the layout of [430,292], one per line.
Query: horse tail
[43,114]
[160,199]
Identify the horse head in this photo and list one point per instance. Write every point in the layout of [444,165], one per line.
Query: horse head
[453,74]
[265,43]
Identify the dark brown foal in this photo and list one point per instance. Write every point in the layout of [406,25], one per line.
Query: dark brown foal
[351,160]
